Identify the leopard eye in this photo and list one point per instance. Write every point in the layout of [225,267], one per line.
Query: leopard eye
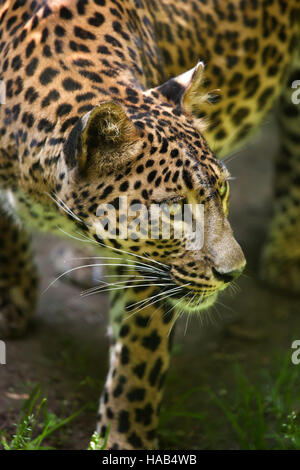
[175,207]
[172,207]
[224,194]
[223,189]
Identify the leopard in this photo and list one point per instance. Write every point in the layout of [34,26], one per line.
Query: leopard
[143,99]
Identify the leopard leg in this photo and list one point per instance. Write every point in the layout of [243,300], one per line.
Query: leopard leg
[139,359]
[18,279]
[281,256]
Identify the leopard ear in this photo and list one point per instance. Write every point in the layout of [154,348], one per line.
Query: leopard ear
[188,91]
[103,139]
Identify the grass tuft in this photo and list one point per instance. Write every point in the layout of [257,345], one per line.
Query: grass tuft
[36,424]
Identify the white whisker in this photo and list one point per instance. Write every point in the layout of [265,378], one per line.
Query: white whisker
[152,297]
[62,205]
[118,288]
[137,263]
[146,303]
[178,303]
[167,294]
[73,236]
[117,283]
[85,266]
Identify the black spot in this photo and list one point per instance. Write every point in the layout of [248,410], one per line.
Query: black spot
[46,12]
[139,370]
[105,396]
[118,391]
[164,146]
[124,331]
[251,85]
[187,179]
[106,191]
[92,76]
[175,176]
[47,51]
[70,145]
[48,75]
[109,413]
[113,41]
[231,61]
[125,355]
[63,109]
[83,33]
[16,63]
[151,176]
[71,85]
[136,394]
[124,186]
[30,48]
[152,341]
[144,415]
[123,421]
[68,123]
[265,95]
[135,441]
[142,321]
[96,20]
[85,97]
[31,95]
[155,371]
[168,316]
[81,6]
[10,22]
[65,13]
[45,35]
[103,50]
[240,115]
[53,95]
[59,31]
[45,125]
[78,47]
[220,135]
[31,67]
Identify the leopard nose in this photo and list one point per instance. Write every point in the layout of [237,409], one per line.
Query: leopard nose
[228,276]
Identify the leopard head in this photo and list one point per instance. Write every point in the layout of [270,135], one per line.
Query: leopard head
[145,150]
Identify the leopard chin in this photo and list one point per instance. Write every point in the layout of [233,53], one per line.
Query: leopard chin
[194,304]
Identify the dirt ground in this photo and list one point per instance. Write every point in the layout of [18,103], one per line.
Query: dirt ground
[66,350]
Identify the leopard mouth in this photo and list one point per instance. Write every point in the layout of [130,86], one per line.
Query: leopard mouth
[193,301]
